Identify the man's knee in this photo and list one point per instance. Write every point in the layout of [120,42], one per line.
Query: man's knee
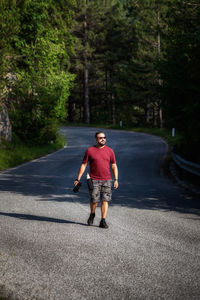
[104,203]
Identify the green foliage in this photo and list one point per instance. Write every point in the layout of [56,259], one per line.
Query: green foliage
[110,43]
[180,70]
[40,94]
[143,61]
[43,44]
[15,153]
[9,26]
[142,57]
[122,49]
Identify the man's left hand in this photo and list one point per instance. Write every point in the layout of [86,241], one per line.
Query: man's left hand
[116,184]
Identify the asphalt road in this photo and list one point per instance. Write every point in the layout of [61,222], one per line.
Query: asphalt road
[150,251]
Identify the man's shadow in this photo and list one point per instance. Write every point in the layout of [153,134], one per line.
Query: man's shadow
[39,218]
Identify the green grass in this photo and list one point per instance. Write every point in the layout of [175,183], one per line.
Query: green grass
[15,153]
[162,132]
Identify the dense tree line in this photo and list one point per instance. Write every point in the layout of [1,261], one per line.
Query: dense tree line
[101,61]
[180,72]
[35,80]
[123,48]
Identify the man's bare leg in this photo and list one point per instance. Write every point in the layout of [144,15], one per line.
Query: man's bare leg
[104,209]
[93,207]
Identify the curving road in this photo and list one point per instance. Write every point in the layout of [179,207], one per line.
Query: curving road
[150,251]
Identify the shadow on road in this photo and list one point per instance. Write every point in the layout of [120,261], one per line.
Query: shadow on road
[39,218]
[59,189]
[141,184]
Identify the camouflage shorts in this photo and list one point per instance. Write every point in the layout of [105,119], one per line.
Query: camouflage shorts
[102,190]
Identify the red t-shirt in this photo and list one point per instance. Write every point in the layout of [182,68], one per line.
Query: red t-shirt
[100,159]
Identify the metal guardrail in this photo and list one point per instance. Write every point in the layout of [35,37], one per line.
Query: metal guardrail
[186,165]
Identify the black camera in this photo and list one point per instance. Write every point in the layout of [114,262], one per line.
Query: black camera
[77,187]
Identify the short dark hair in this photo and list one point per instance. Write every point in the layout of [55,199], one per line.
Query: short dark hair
[98,133]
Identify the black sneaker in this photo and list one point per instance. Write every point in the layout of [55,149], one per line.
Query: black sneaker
[91,219]
[103,224]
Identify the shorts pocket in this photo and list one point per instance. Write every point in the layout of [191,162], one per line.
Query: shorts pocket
[106,190]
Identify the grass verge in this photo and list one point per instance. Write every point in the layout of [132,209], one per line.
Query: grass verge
[16,153]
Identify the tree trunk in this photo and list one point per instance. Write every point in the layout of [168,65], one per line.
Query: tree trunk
[5,125]
[161,117]
[113,110]
[155,114]
[86,85]
[71,112]
[86,94]
[159,40]
[159,80]
[106,78]
[148,113]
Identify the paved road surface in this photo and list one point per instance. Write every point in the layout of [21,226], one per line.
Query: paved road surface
[150,251]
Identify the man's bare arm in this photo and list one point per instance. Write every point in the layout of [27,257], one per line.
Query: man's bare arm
[80,173]
[115,173]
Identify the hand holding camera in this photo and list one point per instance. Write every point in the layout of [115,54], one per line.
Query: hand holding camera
[77,184]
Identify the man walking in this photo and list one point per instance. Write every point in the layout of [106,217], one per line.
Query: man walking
[100,157]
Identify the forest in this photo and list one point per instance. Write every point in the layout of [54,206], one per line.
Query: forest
[101,62]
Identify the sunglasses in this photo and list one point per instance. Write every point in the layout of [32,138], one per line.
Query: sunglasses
[102,137]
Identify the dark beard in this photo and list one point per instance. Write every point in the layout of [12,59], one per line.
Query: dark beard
[101,144]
